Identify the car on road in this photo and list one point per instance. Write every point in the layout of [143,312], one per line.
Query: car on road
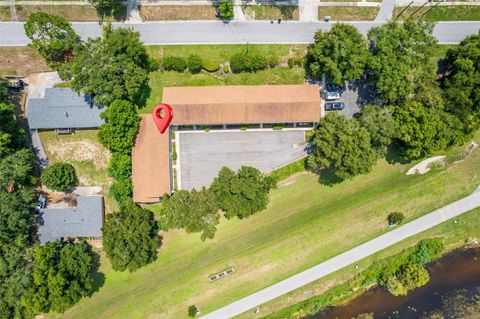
[330,96]
[334,106]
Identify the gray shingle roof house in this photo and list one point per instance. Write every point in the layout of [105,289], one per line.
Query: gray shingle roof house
[63,109]
[86,220]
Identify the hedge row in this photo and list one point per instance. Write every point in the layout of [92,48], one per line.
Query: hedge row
[194,63]
[239,62]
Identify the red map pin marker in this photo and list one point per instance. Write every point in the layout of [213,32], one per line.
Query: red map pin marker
[162,116]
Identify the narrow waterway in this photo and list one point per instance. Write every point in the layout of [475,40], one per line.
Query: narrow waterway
[457,270]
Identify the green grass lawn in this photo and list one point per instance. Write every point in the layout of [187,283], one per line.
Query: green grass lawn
[304,224]
[221,54]
[348,13]
[264,12]
[442,13]
[83,151]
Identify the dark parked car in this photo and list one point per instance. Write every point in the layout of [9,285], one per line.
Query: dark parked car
[333,106]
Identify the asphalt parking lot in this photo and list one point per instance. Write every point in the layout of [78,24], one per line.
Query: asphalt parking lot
[200,155]
[355,95]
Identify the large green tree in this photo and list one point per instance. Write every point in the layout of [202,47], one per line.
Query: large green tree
[130,237]
[380,124]
[61,277]
[195,211]
[59,177]
[16,170]
[401,59]
[343,146]
[340,53]
[462,82]
[242,193]
[52,36]
[11,136]
[113,67]
[119,131]
[420,130]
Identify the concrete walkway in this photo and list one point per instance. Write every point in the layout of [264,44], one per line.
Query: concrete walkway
[238,14]
[386,11]
[133,14]
[347,258]
[308,10]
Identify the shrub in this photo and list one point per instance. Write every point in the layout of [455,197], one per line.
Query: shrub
[272,61]
[192,311]
[210,65]
[247,63]
[297,61]
[226,9]
[59,177]
[120,166]
[408,277]
[174,63]
[194,63]
[427,250]
[225,69]
[121,191]
[395,218]
[237,63]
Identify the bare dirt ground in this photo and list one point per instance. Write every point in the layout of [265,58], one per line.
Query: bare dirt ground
[425,165]
[81,150]
[181,12]
[20,61]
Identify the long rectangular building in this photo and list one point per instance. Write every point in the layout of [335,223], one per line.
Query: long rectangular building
[215,107]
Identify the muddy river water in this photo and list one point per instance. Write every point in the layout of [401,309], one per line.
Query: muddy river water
[457,270]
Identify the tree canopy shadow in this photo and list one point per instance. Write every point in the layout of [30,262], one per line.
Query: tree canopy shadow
[327,177]
[395,156]
[98,278]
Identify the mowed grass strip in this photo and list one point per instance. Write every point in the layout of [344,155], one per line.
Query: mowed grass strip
[440,13]
[306,223]
[20,61]
[222,53]
[260,12]
[348,13]
[179,12]
[70,12]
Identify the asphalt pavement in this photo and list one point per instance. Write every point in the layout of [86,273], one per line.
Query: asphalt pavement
[202,154]
[235,32]
[347,258]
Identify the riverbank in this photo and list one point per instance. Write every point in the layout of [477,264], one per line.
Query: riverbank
[457,271]
[347,284]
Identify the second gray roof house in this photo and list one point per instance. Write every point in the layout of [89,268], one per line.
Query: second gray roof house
[86,220]
[63,109]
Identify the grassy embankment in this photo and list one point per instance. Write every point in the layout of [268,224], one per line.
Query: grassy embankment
[305,223]
[222,53]
[348,13]
[441,13]
[267,12]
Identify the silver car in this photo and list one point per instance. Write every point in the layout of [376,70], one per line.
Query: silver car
[331,96]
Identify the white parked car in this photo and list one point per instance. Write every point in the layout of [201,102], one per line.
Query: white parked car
[331,96]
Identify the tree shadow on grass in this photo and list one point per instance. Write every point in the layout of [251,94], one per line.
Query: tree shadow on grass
[98,278]
[143,96]
[327,177]
[394,155]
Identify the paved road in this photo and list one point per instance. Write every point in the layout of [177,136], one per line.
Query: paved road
[347,258]
[386,10]
[216,32]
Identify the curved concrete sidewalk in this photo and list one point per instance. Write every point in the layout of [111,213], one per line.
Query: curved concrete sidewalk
[347,258]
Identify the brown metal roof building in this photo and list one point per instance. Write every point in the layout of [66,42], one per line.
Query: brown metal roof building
[214,105]
[240,104]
